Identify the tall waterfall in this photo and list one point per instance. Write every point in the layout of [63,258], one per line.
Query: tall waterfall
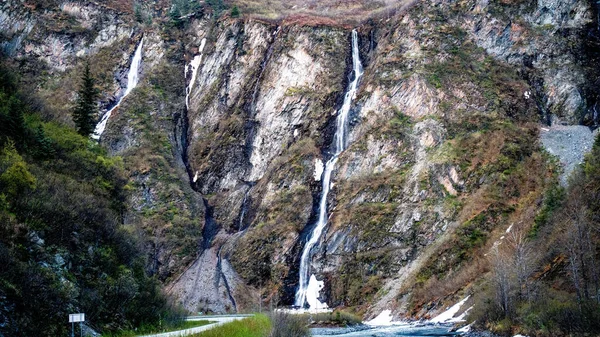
[132,81]
[308,288]
[193,67]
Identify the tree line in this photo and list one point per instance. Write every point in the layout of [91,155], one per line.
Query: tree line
[63,248]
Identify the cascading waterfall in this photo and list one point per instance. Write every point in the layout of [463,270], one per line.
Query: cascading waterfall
[243,210]
[193,67]
[308,288]
[132,81]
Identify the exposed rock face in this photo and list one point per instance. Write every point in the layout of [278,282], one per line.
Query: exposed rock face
[224,192]
[536,40]
[59,36]
[16,25]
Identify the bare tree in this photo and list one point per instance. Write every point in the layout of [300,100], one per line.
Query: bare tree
[523,260]
[580,248]
[513,264]
[503,279]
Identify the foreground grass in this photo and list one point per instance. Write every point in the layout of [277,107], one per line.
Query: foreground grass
[256,326]
[146,330]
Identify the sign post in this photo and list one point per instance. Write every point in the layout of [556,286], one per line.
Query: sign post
[74,318]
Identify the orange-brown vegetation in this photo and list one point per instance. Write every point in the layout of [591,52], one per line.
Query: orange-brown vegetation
[316,13]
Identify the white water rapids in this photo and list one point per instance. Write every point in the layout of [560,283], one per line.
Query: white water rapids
[308,288]
[132,81]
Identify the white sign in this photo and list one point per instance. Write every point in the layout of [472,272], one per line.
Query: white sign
[74,318]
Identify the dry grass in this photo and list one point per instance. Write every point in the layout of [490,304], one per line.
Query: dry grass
[319,12]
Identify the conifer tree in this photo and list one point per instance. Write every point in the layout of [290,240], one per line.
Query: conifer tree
[86,110]
[235,12]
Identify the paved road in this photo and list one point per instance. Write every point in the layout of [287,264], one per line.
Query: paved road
[217,319]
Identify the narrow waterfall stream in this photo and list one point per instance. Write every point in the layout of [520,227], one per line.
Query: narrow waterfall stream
[308,288]
[193,67]
[132,81]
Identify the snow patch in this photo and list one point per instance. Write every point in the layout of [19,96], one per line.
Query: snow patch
[465,328]
[312,293]
[448,315]
[384,318]
[509,228]
[318,169]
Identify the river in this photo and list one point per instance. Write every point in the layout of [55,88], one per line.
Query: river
[388,331]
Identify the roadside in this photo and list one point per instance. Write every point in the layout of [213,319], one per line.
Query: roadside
[217,320]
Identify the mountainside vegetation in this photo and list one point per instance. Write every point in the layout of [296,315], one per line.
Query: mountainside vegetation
[63,248]
[546,282]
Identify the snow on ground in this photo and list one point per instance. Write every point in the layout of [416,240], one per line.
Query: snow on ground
[465,328]
[318,169]
[312,294]
[384,318]
[448,315]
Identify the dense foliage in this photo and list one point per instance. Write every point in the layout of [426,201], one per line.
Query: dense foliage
[62,246]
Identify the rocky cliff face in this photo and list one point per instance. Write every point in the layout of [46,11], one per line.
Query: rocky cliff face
[225,189]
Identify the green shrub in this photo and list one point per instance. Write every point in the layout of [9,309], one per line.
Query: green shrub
[552,200]
[235,12]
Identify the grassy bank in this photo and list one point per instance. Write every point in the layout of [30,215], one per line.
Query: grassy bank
[144,330]
[256,326]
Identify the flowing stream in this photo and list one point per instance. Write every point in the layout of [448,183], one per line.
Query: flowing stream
[308,288]
[193,67]
[406,330]
[132,81]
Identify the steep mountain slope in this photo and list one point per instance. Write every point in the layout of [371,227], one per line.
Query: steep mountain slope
[225,137]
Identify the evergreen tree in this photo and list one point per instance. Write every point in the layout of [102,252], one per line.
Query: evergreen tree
[235,12]
[86,109]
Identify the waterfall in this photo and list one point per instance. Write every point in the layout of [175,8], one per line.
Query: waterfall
[308,288]
[193,67]
[243,209]
[132,81]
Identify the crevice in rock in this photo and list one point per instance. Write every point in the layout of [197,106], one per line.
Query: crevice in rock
[250,107]
[220,276]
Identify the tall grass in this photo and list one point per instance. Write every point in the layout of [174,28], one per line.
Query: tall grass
[144,330]
[288,325]
[256,326]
